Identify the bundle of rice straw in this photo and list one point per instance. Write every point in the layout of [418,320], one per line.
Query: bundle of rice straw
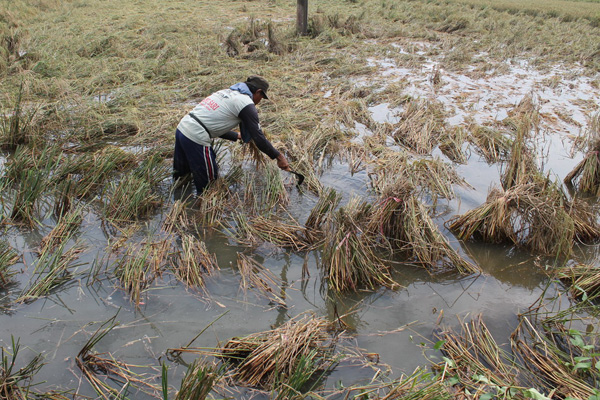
[259,359]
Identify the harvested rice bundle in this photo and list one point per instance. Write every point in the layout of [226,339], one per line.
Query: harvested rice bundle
[254,230]
[403,223]
[421,126]
[263,359]
[521,167]
[527,215]
[141,263]
[199,380]
[583,280]
[64,230]
[491,144]
[451,144]
[176,218]
[399,173]
[255,276]
[587,228]
[435,176]
[586,173]
[274,192]
[349,258]
[194,262]
[213,202]
[320,214]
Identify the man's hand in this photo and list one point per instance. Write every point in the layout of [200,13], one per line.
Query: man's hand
[282,162]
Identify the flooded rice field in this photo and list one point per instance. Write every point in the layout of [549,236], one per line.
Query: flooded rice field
[394,326]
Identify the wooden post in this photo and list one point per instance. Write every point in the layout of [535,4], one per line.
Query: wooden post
[302,18]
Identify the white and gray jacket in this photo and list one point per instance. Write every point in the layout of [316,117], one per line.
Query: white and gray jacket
[221,112]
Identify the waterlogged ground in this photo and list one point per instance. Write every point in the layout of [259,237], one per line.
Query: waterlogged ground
[392,323]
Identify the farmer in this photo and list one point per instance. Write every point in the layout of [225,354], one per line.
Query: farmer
[214,117]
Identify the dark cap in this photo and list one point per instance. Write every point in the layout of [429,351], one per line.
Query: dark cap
[260,83]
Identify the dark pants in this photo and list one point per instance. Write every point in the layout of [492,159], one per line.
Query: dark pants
[190,156]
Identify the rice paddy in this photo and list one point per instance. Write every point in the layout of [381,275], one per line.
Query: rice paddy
[443,243]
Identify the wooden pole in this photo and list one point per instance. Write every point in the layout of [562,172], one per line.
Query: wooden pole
[302,18]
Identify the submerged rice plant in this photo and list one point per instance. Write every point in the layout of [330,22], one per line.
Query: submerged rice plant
[53,269]
[134,271]
[213,202]
[198,381]
[176,218]
[90,170]
[451,144]
[27,158]
[420,385]
[32,185]
[493,145]
[556,358]
[521,167]
[259,278]
[583,280]
[7,258]
[15,383]
[475,358]
[93,365]
[65,229]
[321,214]
[130,199]
[252,231]
[274,192]
[421,126]
[194,262]
[17,125]
[262,359]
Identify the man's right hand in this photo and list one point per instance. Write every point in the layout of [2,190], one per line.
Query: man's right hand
[282,162]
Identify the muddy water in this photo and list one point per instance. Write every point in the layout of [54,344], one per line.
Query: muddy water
[392,323]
